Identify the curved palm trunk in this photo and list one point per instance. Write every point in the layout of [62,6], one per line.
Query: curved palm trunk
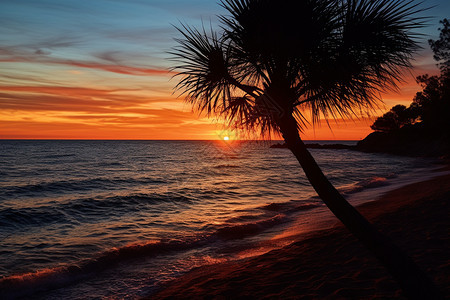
[414,282]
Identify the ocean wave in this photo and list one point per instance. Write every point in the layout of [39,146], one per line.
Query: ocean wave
[370,183]
[25,285]
[228,156]
[226,166]
[28,284]
[18,218]
[59,155]
[82,209]
[64,186]
[238,231]
[291,206]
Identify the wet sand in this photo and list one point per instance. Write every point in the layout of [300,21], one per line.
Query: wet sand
[332,264]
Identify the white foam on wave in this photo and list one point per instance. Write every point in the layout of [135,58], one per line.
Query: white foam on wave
[414,176]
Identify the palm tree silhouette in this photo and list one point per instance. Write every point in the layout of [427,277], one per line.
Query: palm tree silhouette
[274,62]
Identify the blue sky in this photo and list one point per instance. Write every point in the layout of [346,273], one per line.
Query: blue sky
[139,31]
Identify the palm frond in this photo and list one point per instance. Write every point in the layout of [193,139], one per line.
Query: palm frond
[374,45]
[203,62]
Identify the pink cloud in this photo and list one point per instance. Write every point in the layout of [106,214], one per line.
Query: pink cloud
[120,69]
[114,67]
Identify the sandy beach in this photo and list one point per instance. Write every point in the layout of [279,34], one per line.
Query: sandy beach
[332,264]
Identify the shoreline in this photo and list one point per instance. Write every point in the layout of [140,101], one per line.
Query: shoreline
[332,263]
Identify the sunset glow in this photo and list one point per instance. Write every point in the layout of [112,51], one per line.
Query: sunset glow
[172,149]
[101,71]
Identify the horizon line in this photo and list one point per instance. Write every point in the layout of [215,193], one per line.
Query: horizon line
[81,139]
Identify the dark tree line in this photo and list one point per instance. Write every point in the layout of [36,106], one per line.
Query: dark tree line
[430,107]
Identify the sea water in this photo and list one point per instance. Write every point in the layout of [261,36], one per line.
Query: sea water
[95,219]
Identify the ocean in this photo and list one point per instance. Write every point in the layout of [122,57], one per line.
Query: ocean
[119,219]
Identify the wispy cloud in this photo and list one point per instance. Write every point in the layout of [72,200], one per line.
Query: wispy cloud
[120,69]
[114,66]
[88,100]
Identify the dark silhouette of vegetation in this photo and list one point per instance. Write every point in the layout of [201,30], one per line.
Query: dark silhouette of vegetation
[441,47]
[398,117]
[434,100]
[274,62]
[426,120]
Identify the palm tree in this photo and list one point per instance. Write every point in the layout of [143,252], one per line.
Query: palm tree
[274,62]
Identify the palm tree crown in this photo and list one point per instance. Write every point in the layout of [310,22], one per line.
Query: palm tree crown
[326,57]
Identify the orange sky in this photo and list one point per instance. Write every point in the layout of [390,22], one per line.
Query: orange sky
[87,72]
[80,110]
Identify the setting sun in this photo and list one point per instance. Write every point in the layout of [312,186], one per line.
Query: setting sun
[225,138]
